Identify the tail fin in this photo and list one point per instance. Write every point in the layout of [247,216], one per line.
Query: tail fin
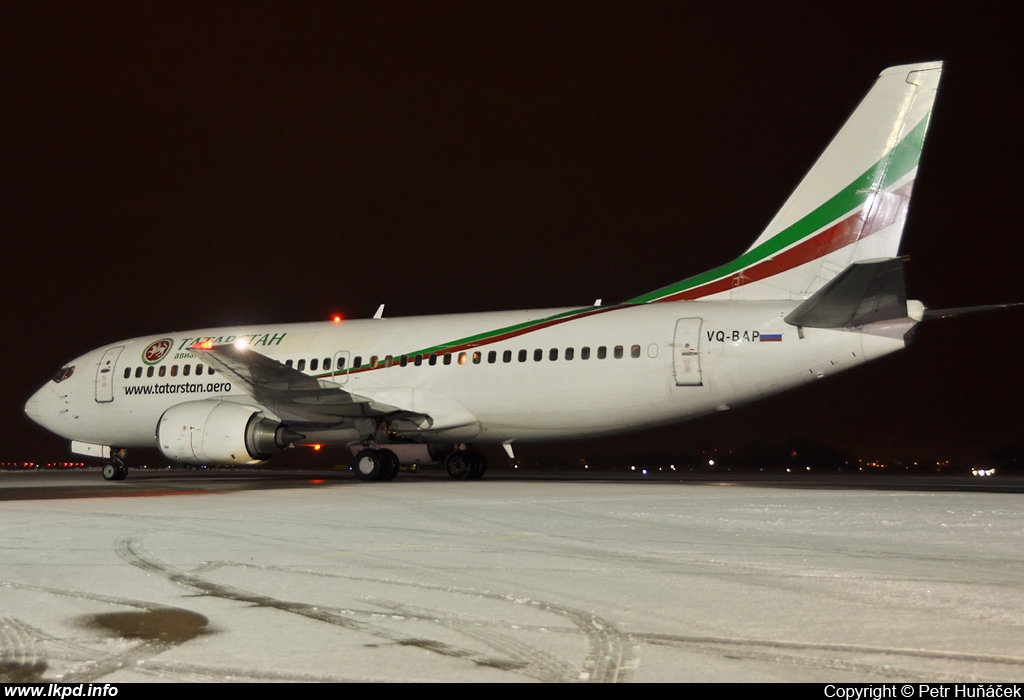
[850,206]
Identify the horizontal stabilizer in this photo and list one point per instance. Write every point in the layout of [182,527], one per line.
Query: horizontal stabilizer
[964,310]
[863,293]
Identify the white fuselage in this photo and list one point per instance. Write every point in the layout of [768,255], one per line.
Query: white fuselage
[509,376]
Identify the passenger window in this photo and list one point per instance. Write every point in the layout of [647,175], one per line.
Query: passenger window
[569,353]
[149,371]
[418,360]
[373,361]
[522,355]
[538,355]
[492,357]
[358,362]
[127,372]
[302,365]
[327,363]
[635,351]
[188,368]
[289,363]
[506,356]
[174,370]
[314,364]
[403,360]
[462,358]
[618,352]
[602,352]
[433,359]
[476,357]
[585,353]
[553,354]
[138,372]
[448,358]
[389,360]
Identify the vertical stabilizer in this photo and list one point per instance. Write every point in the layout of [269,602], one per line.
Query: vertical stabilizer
[851,205]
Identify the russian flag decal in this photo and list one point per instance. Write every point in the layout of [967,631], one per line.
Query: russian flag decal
[770,338]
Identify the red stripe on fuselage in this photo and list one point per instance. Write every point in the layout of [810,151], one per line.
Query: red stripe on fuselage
[839,235]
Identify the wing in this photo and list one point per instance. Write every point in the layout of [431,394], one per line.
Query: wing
[293,396]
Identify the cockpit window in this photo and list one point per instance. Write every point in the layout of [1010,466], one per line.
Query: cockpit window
[63,373]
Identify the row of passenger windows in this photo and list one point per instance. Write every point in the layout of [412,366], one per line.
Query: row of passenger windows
[476,357]
[164,371]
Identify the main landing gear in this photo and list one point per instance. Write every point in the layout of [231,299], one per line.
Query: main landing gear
[465,464]
[382,464]
[376,465]
[116,469]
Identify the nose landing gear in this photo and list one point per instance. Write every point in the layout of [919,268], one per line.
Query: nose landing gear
[116,469]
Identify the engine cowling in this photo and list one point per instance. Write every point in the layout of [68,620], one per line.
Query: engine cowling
[220,432]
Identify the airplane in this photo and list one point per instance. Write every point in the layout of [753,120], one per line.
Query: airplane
[820,290]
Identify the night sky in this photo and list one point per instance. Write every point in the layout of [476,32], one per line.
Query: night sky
[220,163]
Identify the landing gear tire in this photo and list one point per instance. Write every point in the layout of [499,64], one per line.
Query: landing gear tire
[369,465]
[115,471]
[481,468]
[376,465]
[465,464]
[392,465]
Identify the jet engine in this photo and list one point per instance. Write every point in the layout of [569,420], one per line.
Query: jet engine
[220,432]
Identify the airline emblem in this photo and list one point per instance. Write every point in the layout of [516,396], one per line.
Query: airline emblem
[156,351]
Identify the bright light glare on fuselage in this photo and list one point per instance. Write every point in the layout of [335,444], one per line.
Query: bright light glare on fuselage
[241,343]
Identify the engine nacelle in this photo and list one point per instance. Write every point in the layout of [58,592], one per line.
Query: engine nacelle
[220,432]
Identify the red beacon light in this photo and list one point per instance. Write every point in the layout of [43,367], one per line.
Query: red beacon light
[203,344]
[336,318]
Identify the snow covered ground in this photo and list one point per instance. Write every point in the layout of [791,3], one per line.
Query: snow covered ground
[505,580]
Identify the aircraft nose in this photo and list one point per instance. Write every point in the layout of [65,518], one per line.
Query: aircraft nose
[37,406]
[34,405]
